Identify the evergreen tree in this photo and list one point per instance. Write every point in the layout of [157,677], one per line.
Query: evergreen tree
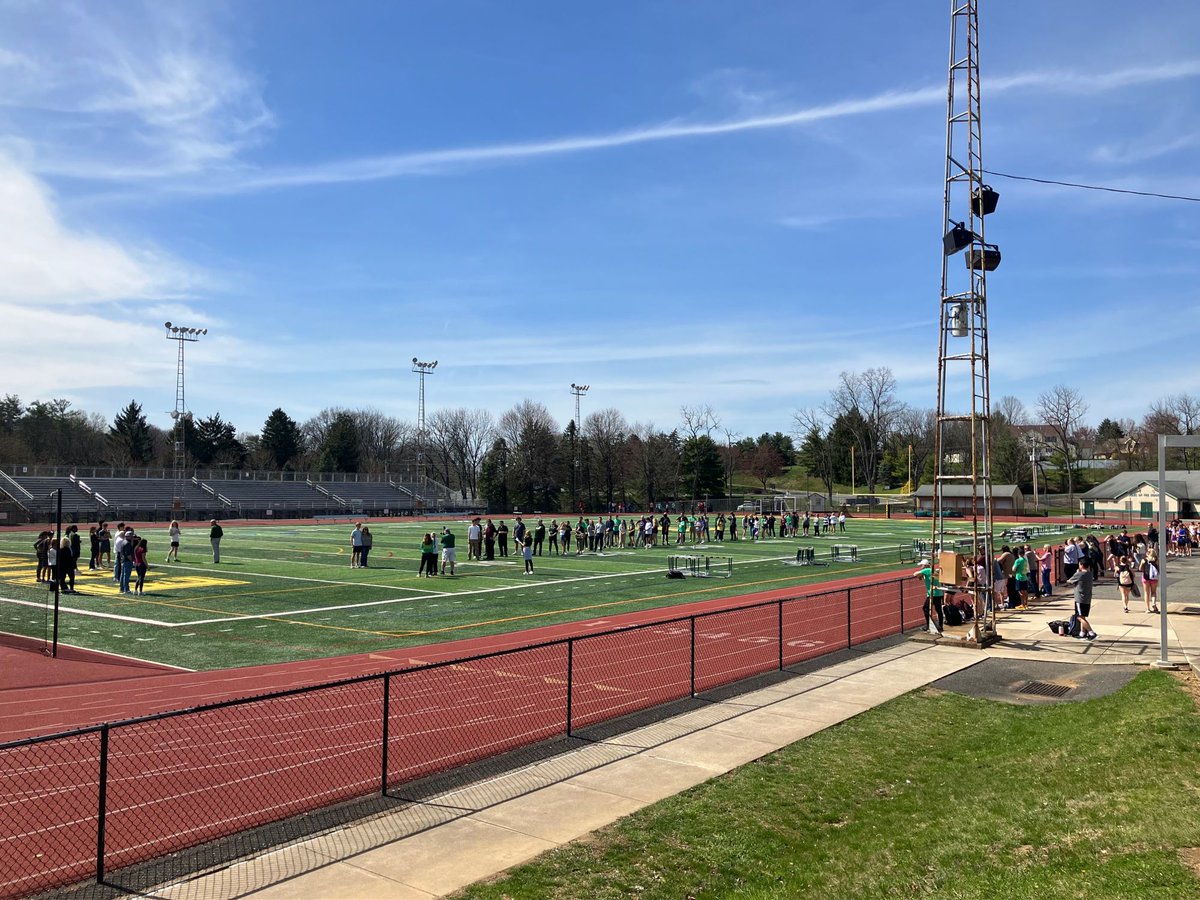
[281,439]
[341,451]
[493,477]
[130,435]
[1109,431]
[701,467]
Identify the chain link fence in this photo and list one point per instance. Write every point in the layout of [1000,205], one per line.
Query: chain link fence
[127,805]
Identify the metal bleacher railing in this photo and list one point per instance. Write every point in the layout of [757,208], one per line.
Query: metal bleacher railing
[103,803]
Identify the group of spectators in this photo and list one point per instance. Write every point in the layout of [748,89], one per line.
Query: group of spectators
[1022,572]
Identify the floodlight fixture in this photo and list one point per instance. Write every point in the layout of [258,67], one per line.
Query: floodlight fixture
[959,237]
[984,199]
[985,257]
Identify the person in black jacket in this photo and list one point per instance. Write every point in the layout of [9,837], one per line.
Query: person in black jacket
[214,535]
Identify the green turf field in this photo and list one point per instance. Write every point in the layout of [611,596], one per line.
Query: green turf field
[288,592]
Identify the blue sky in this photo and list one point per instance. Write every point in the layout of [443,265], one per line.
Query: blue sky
[674,202]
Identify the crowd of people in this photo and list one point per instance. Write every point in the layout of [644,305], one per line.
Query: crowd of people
[1022,573]
[126,554]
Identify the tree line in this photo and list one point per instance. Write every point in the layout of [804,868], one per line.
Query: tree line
[863,434]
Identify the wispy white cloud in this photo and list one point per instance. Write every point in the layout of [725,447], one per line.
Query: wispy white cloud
[122,92]
[45,261]
[434,162]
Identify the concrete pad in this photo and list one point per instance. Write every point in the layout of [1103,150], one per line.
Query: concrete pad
[644,778]
[820,708]
[784,690]
[450,857]
[770,727]
[718,756]
[559,813]
[343,880]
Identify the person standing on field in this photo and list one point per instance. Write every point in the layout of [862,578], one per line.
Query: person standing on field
[215,533]
[449,553]
[364,551]
[356,545]
[173,532]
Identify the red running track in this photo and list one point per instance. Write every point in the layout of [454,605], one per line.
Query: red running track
[86,695]
[178,781]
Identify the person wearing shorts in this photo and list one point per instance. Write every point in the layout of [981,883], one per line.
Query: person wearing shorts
[1082,580]
[174,533]
[449,553]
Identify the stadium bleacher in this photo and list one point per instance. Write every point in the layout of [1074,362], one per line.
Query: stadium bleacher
[149,494]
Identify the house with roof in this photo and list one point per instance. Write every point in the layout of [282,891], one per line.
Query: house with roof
[1007,499]
[1135,495]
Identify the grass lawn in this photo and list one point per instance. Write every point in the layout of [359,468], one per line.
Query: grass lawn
[930,795]
[287,592]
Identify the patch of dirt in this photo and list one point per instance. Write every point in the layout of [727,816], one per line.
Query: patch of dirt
[1189,680]
[1190,857]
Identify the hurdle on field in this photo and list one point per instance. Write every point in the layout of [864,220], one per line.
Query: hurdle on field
[701,566]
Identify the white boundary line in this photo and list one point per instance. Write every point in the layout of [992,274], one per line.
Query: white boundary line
[96,614]
[213,573]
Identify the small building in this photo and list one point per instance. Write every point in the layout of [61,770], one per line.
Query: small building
[1007,499]
[1135,495]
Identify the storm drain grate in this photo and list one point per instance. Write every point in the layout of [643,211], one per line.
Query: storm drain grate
[1045,689]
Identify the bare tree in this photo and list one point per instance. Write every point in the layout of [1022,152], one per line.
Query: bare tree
[1012,409]
[1062,408]
[606,431]
[698,420]
[872,395]
[1187,410]
[914,428]
[730,455]
[534,466]
[459,439]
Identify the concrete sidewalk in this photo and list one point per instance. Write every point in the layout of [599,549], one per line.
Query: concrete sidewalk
[481,830]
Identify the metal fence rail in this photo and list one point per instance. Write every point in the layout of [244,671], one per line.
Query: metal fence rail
[85,803]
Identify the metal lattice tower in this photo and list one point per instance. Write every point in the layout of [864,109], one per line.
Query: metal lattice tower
[578,390]
[180,415]
[962,445]
[422,369]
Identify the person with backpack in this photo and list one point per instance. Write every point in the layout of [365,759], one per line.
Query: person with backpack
[1124,579]
[1150,581]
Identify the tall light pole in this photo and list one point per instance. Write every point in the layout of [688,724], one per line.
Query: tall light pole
[179,415]
[422,369]
[578,390]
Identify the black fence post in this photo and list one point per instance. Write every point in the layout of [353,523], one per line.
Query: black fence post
[387,716]
[780,606]
[570,680]
[692,675]
[849,621]
[102,804]
[902,607]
